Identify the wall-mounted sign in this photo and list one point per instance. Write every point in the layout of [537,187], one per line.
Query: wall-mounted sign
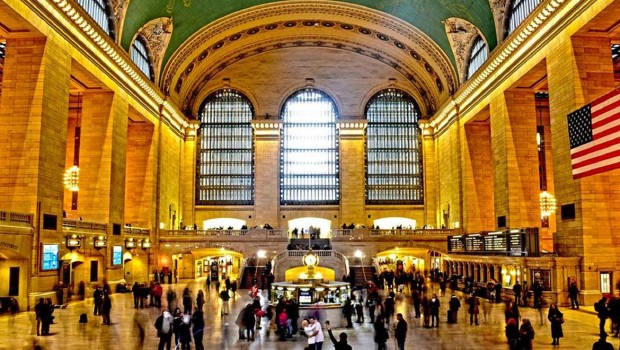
[50,257]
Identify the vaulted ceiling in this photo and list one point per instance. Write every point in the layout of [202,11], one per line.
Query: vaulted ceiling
[208,41]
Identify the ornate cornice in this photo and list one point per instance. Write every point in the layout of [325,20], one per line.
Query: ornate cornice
[157,34]
[460,35]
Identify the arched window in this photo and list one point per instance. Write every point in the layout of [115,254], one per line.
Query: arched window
[477,57]
[309,149]
[225,164]
[140,56]
[519,10]
[394,173]
[100,12]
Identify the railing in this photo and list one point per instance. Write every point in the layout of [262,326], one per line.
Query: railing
[78,224]
[271,233]
[207,232]
[7,216]
[390,232]
[137,230]
[301,253]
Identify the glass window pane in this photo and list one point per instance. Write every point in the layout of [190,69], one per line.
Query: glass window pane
[98,10]
[309,150]
[225,163]
[519,10]
[140,56]
[393,150]
[478,56]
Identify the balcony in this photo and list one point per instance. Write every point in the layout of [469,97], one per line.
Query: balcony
[15,219]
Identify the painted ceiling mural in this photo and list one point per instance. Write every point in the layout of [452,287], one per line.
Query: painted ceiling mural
[189,16]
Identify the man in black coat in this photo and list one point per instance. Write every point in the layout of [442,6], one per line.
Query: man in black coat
[573,293]
[401,331]
[338,344]
[517,289]
[455,305]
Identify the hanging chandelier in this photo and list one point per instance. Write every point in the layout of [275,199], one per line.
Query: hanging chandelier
[547,204]
[72,178]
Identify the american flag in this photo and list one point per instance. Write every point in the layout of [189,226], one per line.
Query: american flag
[594,133]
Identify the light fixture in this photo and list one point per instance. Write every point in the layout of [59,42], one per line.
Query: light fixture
[261,254]
[130,243]
[547,204]
[100,242]
[73,241]
[145,243]
[358,253]
[71,178]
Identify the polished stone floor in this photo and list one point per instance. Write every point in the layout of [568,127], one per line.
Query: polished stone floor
[580,329]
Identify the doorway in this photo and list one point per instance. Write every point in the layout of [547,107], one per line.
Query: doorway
[14,281]
[94,270]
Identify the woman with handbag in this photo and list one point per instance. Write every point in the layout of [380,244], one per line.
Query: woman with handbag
[557,319]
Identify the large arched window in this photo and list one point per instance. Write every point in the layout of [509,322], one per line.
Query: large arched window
[225,167]
[100,12]
[140,56]
[519,10]
[394,173]
[477,56]
[309,149]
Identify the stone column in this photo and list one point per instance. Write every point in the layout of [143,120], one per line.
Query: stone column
[431,192]
[352,175]
[580,70]
[267,172]
[34,107]
[103,152]
[515,158]
[188,175]
[478,189]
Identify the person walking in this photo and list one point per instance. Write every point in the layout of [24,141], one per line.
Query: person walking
[401,331]
[225,307]
[106,307]
[602,310]
[434,305]
[381,333]
[526,334]
[97,298]
[512,334]
[474,308]
[198,323]
[455,305]
[602,344]
[557,319]
[516,290]
[573,294]
[525,293]
[185,332]
[163,324]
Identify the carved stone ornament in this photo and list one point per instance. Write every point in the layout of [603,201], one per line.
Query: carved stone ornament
[460,35]
[157,34]
[119,9]
[499,9]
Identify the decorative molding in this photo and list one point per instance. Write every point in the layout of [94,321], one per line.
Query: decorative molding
[499,9]
[514,48]
[119,10]
[460,35]
[260,19]
[425,94]
[157,34]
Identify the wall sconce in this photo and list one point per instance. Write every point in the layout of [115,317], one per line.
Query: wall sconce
[130,243]
[73,241]
[162,225]
[100,242]
[145,243]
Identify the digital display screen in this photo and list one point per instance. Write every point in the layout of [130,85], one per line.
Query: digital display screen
[50,257]
[305,297]
[117,255]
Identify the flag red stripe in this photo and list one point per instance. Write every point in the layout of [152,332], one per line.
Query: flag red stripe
[597,170]
[606,97]
[595,159]
[599,134]
[595,148]
[604,121]
[604,109]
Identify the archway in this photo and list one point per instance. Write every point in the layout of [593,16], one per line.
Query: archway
[223,224]
[395,223]
[309,225]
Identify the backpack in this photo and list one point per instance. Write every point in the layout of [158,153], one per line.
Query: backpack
[165,326]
